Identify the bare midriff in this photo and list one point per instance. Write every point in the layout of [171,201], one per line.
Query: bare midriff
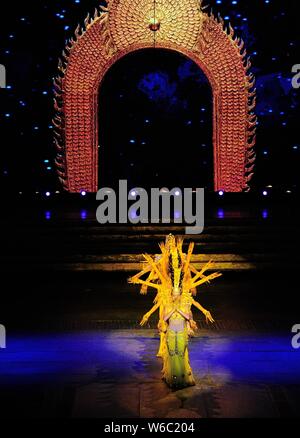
[176,322]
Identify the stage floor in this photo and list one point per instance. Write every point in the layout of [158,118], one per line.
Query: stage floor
[115,373]
[74,346]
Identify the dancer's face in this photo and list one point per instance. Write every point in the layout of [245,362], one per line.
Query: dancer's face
[176,292]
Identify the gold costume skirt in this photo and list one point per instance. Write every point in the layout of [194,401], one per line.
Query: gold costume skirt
[177,371]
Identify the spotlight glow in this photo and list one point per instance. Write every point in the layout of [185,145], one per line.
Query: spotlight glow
[83,214]
[221,213]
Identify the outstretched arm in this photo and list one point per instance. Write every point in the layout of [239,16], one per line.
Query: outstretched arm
[154,266]
[139,274]
[148,314]
[146,283]
[205,279]
[207,314]
[200,274]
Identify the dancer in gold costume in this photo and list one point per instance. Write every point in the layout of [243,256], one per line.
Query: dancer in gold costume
[175,280]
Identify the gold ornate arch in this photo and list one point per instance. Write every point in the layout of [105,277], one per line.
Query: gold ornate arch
[125,26]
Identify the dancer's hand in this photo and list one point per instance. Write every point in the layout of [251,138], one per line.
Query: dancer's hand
[208,317]
[144,290]
[193,325]
[132,280]
[144,320]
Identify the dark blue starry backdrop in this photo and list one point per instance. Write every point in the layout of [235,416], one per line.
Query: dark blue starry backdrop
[155,106]
[162,104]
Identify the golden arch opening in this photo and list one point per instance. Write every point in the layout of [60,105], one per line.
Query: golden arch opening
[126,26]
